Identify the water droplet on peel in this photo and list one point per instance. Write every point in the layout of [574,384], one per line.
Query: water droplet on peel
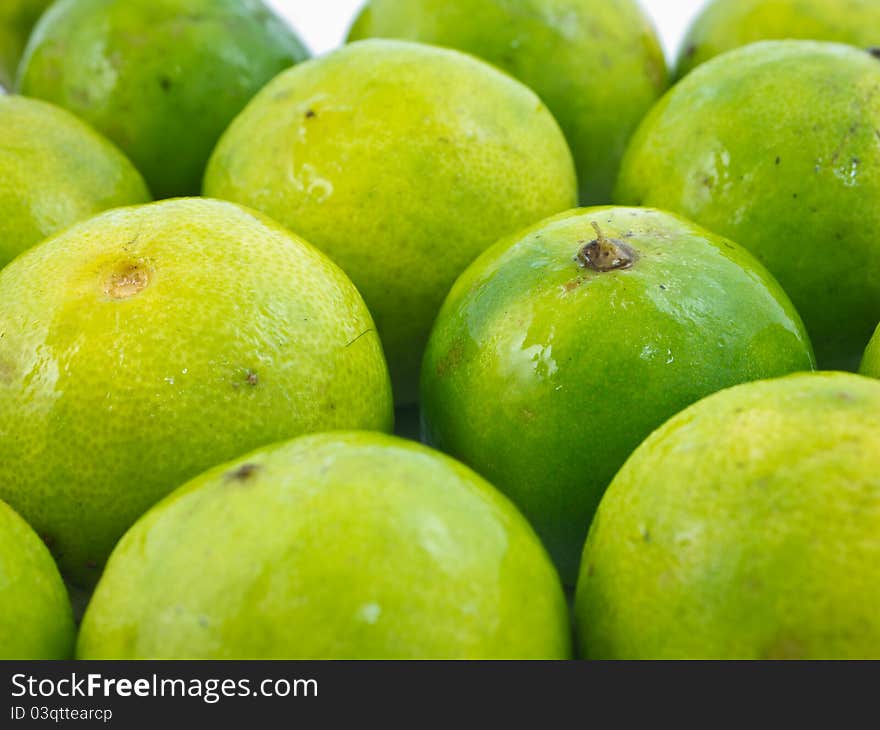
[849,172]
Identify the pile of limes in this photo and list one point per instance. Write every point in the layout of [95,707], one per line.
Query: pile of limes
[197,394]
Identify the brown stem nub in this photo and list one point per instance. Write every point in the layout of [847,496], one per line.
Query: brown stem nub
[606,254]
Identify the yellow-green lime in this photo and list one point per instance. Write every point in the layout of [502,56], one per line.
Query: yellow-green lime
[36,621]
[723,25]
[149,343]
[56,171]
[161,78]
[335,546]
[598,65]
[747,527]
[403,162]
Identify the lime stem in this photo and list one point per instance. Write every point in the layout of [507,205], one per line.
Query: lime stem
[606,254]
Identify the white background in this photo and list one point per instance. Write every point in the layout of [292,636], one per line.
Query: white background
[323,24]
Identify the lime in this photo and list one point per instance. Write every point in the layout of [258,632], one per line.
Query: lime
[598,65]
[36,621]
[403,162]
[161,78]
[747,527]
[775,146]
[727,24]
[335,546]
[145,345]
[564,346]
[56,171]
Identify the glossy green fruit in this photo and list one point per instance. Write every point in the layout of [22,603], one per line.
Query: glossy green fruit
[403,162]
[56,171]
[598,65]
[775,146]
[36,621]
[145,345]
[17,18]
[560,350]
[748,527]
[161,78]
[727,24]
[336,546]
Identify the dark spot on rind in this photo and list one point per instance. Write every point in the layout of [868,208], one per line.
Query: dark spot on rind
[778,160]
[451,360]
[165,83]
[690,50]
[784,648]
[244,473]
[252,378]
[311,114]
[874,51]
[7,372]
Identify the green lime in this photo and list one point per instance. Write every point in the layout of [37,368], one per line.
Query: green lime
[56,171]
[36,621]
[727,24]
[775,146]
[598,65]
[149,343]
[161,78]
[747,527]
[403,162]
[335,546]
[564,346]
